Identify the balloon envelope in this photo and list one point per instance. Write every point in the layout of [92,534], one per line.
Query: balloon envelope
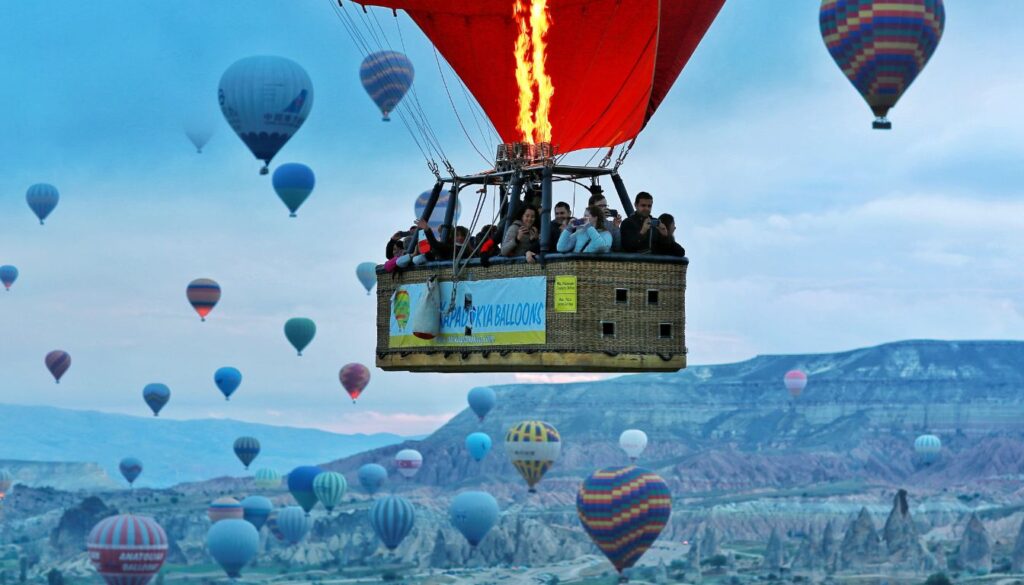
[225,508]
[366,272]
[233,543]
[8,274]
[372,477]
[473,514]
[267,479]
[299,331]
[300,484]
[533,446]
[6,481]
[354,378]
[130,468]
[156,396]
[228,380]
[116,544]
[256,509]
[57,362]
[293,524]
[795,381]
[203,294]
[408,462]
[265,99]
[478,445]
[624,510]
[42,199]
[246,449]
[633,442]
[293,183]
[392,518]
[481,400]
[440,209]
[329,488]
[928,447]
[386,76]
[272,523]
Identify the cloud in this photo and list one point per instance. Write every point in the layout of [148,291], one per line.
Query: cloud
[557,378]
[400,423]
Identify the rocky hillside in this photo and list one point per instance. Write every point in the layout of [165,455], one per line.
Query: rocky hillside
[59,475]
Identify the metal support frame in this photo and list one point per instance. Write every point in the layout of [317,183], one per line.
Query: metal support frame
[620,188]
[427,211]
[545,210]
[513,206]
[447,230]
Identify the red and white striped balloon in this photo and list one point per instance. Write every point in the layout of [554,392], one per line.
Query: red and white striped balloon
[127,549]
[795,381]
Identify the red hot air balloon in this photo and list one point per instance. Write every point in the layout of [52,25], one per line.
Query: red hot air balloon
[127,549]
[354,377]
[203,294]
[795,381]
[58,362]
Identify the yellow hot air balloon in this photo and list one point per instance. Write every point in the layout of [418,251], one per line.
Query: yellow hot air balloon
[400,307]
[533,446]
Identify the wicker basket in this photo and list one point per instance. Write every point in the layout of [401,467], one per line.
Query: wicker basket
[630,316]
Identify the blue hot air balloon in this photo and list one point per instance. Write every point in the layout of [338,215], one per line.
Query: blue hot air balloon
[366,272]
[42,198]
[440,209]
[293,183]
[372,477]
[265,99]
[246,449]
[233,543]
[293,524]
[8,274]
[386,76]
[478,445]
[473,514]
[256,510]
[300,484]
[156,396]
[227,379]
[392,518]
[481,400]
[130,468]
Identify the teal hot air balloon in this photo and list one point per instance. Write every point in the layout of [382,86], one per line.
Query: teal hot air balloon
[293,183]
[481,401]
[130,468]
[265,99]
[392,518]
[386,77]
[8,274]
[42,199]
[299,331]
[473,514]
[329,488]
[293,524]
[156,396]
[256,510]
[267,479]
[478,445]
[300,484]
[372,477]
[233,543]
[246,449]
[366,272]
[228,380]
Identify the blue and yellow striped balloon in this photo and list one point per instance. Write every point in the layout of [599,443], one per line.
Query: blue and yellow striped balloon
[881,45]
[386,76]
[624,510]
[533,446]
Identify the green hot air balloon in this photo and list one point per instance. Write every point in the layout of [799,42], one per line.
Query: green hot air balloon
[329,488]
[299,331]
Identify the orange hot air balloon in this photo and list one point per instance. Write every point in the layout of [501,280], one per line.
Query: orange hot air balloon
[401,308]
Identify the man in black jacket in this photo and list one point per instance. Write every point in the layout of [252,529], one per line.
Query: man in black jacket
[637,234]
[664,243]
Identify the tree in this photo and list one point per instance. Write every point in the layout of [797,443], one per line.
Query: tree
[718,561]
[938,579]
[54,577]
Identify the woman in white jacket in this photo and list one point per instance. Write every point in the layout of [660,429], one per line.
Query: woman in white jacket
[592,237]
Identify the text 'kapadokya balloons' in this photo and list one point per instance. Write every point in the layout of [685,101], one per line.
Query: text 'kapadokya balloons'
[299,331]
[228,380]
[366,272]
[624,510]
[233,543]
[293,183]
[127,549]
[633,442]
[473,514]
[481,401]
[329,487]
[392,517]
[533,446]
[408,462]
[246,449]
[42,199]
[386,76]
[300,484]
[372,477]
[354,378]
[57,362]
[256,509]
[225,508]
[8,274]
[265,100]
[478,445]
[203,294]
[293,523]
[130,468]
[156,396]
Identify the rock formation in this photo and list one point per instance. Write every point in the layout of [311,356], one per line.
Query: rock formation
[693,559]
[774,554]
[829,548]
[902,541]
[976,548]
[1017,559]
[861,545]
[709,543]
[68,537]
[808,556]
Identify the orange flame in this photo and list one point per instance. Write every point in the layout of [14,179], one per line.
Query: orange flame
[535,86]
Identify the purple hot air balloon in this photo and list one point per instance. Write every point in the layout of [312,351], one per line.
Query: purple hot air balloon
[354,377]
[58,362]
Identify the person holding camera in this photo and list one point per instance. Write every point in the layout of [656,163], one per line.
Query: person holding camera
[614,219]
[522,238]
[563,215]
[638,230]
[589,235]
[664,243]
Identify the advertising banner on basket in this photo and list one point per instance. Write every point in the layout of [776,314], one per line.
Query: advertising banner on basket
[506,311]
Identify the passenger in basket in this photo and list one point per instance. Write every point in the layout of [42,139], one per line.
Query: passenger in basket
[563,214]
[665,238]
[638,230]
[587,236]
[614,219]
[438,250]
[522,238]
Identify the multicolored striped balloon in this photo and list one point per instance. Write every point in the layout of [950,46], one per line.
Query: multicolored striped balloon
[624,510]
[203,294]
[386,77]
[354,378]
[127,549]
[224,509]
[246,449]
[882,45]
[392,518]
[533,446]
[329,487]
[58,362]
[8,274]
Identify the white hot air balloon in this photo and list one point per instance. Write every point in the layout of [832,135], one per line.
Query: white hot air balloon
[408,462]
[633,442]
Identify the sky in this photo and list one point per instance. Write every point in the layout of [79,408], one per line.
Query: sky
[806,230]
